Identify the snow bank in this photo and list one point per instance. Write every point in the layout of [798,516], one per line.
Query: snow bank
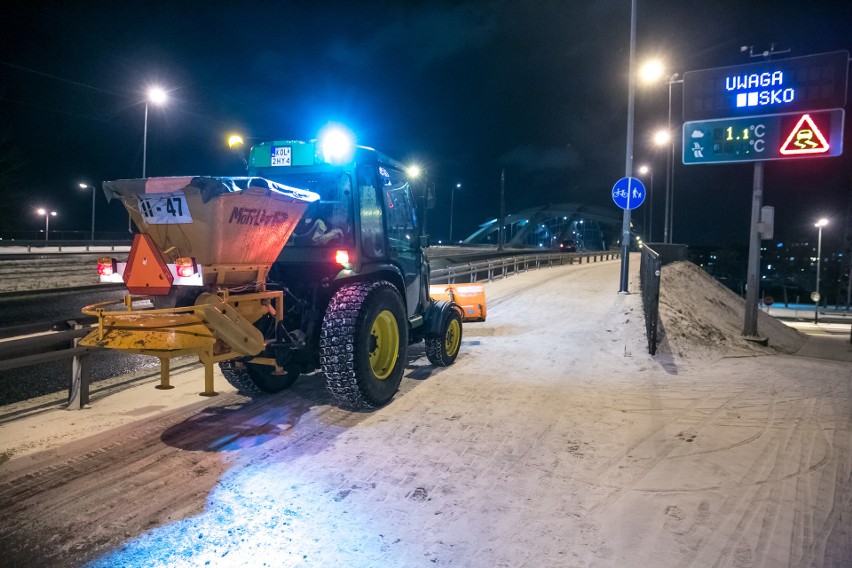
[701,318]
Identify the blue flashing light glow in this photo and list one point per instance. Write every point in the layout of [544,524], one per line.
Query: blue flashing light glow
[779,245]
[337,144]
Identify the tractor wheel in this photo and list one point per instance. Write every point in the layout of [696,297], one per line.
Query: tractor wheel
[363,344]
[443,348]
[256,380]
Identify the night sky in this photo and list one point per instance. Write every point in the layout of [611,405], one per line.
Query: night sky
[463,88]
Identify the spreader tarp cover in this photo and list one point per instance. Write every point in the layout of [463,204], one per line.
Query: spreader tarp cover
[209,187]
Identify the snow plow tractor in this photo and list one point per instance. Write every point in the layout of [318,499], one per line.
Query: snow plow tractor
[314,262]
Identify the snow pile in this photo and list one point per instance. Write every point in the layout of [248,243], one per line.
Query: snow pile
[701,318]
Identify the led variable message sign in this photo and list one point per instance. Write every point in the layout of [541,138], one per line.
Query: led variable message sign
[766,137]
[812,82]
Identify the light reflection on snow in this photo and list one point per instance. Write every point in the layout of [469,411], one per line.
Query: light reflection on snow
[264,514]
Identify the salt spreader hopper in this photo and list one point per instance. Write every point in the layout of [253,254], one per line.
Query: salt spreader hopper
[202,258]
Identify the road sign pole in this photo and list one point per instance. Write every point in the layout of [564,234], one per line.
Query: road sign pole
[628,166]
[753,278]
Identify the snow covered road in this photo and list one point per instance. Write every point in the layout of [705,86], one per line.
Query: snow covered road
[555,440]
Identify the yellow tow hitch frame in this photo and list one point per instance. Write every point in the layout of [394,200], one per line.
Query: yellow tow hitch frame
[217,328]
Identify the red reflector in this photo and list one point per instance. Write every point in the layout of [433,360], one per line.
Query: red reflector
[185,266]
[341,257]
[146,273]
[106,266]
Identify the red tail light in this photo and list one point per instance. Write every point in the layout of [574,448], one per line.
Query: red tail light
[185,266]
[106,266]
[341,257]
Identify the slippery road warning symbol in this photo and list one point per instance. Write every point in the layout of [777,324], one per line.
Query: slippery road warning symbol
[805,138]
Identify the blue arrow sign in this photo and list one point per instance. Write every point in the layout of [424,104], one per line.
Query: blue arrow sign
[628,193]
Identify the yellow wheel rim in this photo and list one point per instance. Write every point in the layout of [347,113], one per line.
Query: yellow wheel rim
[452,339]
[384,344]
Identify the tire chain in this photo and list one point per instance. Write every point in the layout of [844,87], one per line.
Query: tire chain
[239,378]
[434,351]
[337,343]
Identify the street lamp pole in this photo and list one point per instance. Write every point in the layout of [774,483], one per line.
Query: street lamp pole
[87,186]
[452,206]
[157,96]
[819,225]
[145,141]
[47,215]
[649,235]
[628,165]
[667,227]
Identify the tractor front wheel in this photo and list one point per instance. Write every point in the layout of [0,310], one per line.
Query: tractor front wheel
[443,348]
[363,344]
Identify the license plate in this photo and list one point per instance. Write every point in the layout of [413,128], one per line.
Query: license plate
[282,156]
[164,208]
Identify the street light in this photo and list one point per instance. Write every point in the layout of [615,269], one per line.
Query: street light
[819,225]
[452,205]
[413,171]
[87,186]
[646,170]
[652,71]
[236,144]
[235,141]
[662,137]
[157,96]
[47,216]
[670,165]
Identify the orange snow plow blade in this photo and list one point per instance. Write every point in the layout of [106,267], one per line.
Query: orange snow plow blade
[469,297]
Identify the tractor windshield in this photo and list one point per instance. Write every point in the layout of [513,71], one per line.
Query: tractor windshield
[327,222]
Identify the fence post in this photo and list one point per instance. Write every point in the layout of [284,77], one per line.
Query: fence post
[81,374]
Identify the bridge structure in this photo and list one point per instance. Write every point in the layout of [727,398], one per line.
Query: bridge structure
[591,227]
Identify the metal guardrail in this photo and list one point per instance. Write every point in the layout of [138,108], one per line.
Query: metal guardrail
[8,247]
[28,351]
[649,282]
[37,349]
[502,267]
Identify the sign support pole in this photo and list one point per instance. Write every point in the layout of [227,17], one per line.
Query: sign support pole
[753,278]
[628,166]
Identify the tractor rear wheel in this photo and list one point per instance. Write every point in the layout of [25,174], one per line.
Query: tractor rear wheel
[256,380]
[363,343]
[443,348]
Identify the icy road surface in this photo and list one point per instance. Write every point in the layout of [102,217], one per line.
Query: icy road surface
[555,440]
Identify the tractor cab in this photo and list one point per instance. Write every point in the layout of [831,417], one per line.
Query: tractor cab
[364,223]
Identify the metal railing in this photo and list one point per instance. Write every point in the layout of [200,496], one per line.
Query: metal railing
[10,246]
[502,267]
[649,281]
[42,348]
[28,351]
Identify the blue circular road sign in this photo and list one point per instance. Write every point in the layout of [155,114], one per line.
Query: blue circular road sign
[628,193]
